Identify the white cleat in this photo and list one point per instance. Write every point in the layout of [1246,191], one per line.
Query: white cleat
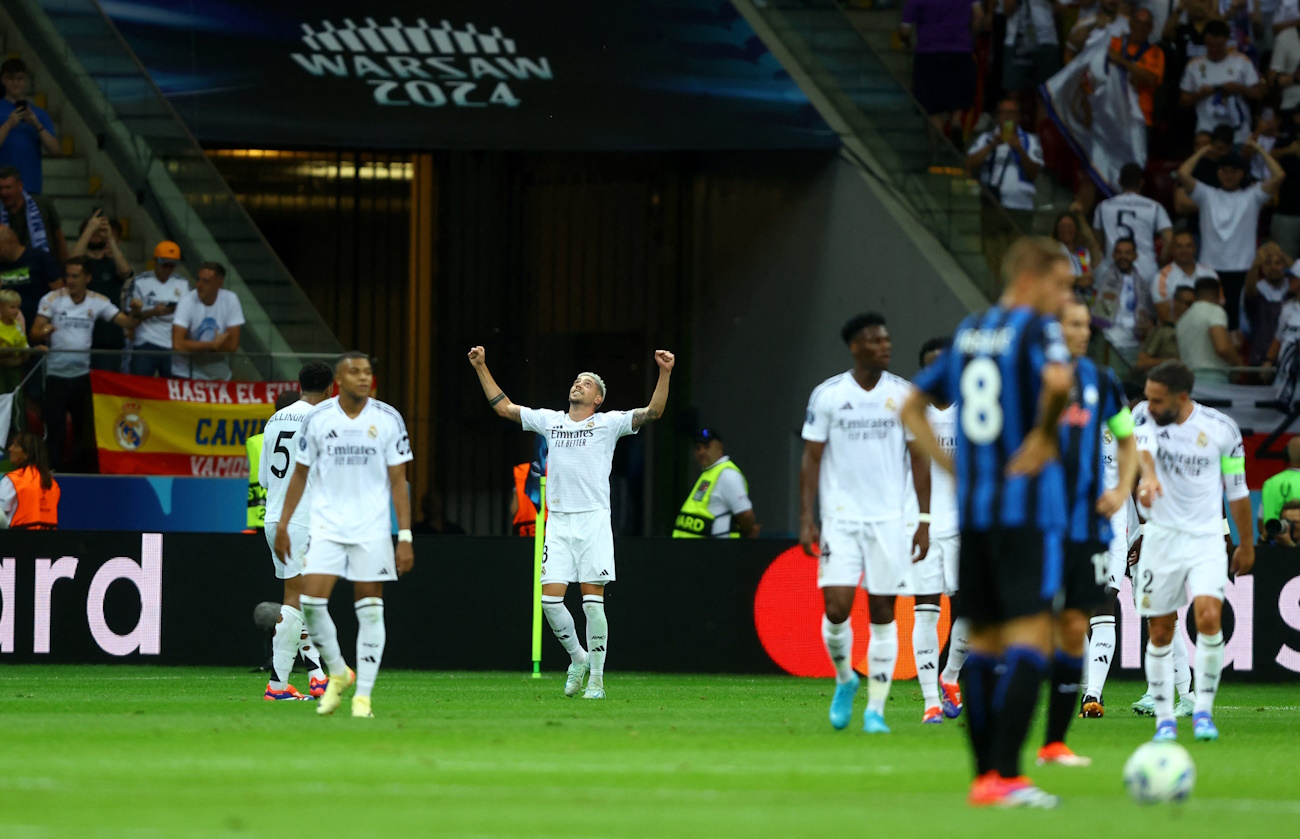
[361,707]
[594,693]
[577,675]
[333,697]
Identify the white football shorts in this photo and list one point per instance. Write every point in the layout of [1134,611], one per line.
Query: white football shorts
[579,548]
[299,540]
[937,573]
[875,555]
[365,562]
[1175,564]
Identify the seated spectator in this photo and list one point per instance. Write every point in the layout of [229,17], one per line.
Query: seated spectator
[1131,215]
[31,273]
[29,495]
[1161,343]
[1219,84]
[109,271]
[1121,303]
[12,364]
[1269,284]
[1282,487]
[1229,219]
[1283,531]
[153,299]
[1080,246]
[31,216]
[943,69]
[65,321]
[1006,161]
[26,130]
[1203,339]
[1183,272]
[206,325]
[1144,61]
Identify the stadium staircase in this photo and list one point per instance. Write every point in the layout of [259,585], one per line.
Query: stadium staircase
[128,152]
[845,61]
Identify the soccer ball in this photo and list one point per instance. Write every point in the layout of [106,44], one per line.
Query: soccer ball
[1159,772]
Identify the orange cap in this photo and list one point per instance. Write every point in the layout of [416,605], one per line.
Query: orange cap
[167,250]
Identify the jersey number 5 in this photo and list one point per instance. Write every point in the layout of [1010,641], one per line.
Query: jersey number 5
[281,471]
[981,405]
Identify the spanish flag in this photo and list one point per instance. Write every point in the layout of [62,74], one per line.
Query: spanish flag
[149,426]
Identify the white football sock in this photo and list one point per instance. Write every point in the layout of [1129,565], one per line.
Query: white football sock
[371,637]
[958,647]
[925,649]
[1182,673]
[593,606]
[1209,666]
[1160,680]
[309,654]
[882,657]
[557,615]
[838,638]
[284,646]
[1101,651]
[316,613]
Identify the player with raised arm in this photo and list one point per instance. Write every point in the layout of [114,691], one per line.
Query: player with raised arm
[354,449]
[856,458]
[279,443]
[1192,456]
[579,544]
[1098,411]
[1008,373]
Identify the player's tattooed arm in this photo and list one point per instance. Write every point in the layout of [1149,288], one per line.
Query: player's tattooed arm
[659,400]
[496,397]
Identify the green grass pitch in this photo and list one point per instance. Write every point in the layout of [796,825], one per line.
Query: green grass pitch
[146,751]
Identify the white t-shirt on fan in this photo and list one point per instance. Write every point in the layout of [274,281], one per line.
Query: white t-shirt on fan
[1229,223]
[580,455]
[279,457]
[150,291]
[74,329]
[1171,278]
[1220,108]
[203,323]
[1136,217]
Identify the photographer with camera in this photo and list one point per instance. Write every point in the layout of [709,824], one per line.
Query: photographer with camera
[25,130]
[1283,531]
[1277,495]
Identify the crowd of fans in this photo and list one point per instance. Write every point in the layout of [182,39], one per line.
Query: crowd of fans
[70,304]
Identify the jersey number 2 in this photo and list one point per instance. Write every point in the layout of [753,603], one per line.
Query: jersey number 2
[981,401]
[278,471]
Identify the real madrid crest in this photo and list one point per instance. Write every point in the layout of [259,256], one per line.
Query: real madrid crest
[373,432]
[890,404]
[1107,436]
[1202,440]
[130,429]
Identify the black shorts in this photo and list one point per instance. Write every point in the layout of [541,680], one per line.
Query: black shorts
[1007,573]
[1079,588]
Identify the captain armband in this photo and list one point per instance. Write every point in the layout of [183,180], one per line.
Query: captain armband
[1121,425]
[1232,465]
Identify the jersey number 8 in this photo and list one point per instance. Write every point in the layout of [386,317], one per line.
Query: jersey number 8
[981,405]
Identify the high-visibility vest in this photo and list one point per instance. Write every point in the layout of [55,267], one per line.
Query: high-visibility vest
[525,523]
[256,492]
[38,508]
[695,521]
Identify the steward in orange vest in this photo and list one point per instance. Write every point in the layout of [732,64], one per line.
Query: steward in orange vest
[29,495]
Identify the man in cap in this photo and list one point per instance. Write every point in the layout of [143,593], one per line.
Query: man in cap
[153,298]
[719,504]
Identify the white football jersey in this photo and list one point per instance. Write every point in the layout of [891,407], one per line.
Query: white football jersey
[1109,459]
[943,488]
[1136,217]
[1190,458]
[865,466]
[349,458]
[279,458]
[579,456]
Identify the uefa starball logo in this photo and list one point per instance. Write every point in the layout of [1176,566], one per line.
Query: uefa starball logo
[415,64]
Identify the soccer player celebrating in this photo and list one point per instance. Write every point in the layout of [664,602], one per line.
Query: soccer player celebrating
[355,450]
[1008,374]
[579,545]
[855,470]
[274,466]
[1191,457]
[1097,402]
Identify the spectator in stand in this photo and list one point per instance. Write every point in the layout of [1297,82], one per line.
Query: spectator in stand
[1144,61]
[1220,143]
[153,299]
[1080,245]
[1031,52]
[1281,351]
[31,273]
[1203,339]
[1108,15]
[25,130]
[1184,33]
[1219,85]
[1121,303]
[1243,18]
[109,271]
[31,216]
[1264,137]
[1285,64]
[1269,284]
[65,321]
[1286,215]
[1131,215]
[1161,343]
[943,70]
[1230,220]
[12,364]
[1007,161]
[1183,272]
[207,324]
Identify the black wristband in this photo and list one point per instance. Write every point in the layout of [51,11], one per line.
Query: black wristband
[492,403]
